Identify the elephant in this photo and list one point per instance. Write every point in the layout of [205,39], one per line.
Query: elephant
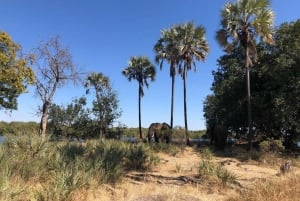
[218,136]
[159,132]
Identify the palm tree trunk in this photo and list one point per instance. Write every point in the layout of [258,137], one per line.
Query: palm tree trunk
[172,101]
[140,121]
[185,108]
[250,131]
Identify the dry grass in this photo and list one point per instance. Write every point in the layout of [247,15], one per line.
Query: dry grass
[259,181]
[256,177]
[128,191]
[286,188]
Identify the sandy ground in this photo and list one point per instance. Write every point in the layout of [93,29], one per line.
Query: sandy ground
[173,179]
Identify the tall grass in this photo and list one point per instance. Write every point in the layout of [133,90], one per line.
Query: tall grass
[286,188]
[170,149]
[209,169]
[35,168]
[206,153]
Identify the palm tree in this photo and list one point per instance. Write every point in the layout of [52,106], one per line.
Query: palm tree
[166,50]
[99,83]
[140,69]
[242,22]
[180,46]
[192,46]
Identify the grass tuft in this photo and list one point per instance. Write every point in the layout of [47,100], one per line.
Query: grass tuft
[210,169]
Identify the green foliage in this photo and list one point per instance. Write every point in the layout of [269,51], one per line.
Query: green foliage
[206,153]
[106,105]
[181,46]
[241,25]
[70,121]
[197,133]
[15,74]
[137,157]
[140,69]
[18,128]
[207,168]
[274,89]
[60,168]
[271,145]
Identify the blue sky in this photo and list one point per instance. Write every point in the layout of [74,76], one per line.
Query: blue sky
[103,34]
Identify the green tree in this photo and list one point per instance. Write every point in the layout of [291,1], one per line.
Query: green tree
[193,46]
[140,69]
[105,107]
[71,120]
[227,104]
[54,69]
[274,92]
[15,74]
[166,50]
[282,65]
[241,23]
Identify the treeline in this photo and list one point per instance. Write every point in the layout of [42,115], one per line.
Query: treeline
[81,128]
[275,88]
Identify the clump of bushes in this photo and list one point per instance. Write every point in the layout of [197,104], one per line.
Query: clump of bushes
[56,169]
[213,170]
[206,153]
[271,145]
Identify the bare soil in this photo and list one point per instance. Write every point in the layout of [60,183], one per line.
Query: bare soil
[175,178]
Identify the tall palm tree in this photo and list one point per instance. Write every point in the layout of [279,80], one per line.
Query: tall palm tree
[140,69]
[192,47]
[100,83]
[166,50]
[242,22]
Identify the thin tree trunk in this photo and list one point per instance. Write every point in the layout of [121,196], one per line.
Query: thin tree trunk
[101,128]
[172,101]
[185,108]
[250,131]
[140,121]
[43,123]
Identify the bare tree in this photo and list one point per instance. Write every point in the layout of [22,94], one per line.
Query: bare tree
[54,68]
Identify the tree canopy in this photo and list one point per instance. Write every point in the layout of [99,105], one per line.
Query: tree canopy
[106,105]
[140,69]
[15,73]
[241,24]
[275,88]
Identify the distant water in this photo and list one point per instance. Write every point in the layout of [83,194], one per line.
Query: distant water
[1,139]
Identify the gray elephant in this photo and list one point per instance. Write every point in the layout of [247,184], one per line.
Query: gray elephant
[218,136]
[159,132]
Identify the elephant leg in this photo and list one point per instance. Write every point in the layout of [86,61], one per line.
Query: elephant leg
[212,139]
[156,137]
[149,137]
[167,139]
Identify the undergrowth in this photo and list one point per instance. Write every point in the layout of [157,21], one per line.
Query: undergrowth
[285,188]
[212,170]
[36,168]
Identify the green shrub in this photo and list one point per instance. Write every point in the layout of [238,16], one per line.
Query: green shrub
[207,168]
[271,145]
[206,153]
[64,167]
[137,157]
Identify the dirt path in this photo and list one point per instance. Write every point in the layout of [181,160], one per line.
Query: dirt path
[187,163]
[175,179]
